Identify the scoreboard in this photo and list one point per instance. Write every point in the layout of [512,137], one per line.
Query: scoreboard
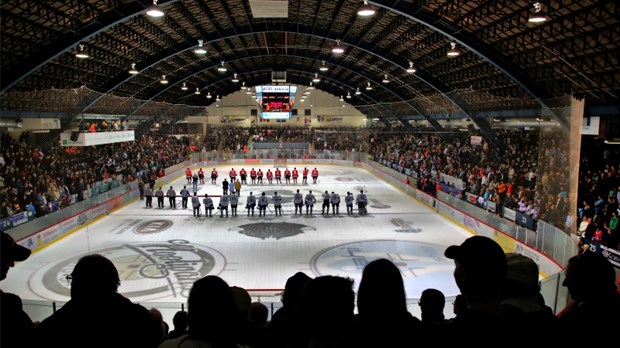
[276,102]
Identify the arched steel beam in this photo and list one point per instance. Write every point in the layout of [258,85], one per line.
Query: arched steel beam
[70,40]
[474,45]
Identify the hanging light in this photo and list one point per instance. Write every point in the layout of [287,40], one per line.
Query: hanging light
[200,49]
[357,91]
[341,98]
[411,68]
[366,10]
[323,67]
[338,49]
[368,87]
[385,79]
[197,91]
[348,95]
[243,85]
[222,68]
[184,87]
[235,79]
[209,95]
[81,52]
[163,80]
[133,69]
[217,98]
[310,87]
[539,15]
[453,52]
[316,78]
[154,10]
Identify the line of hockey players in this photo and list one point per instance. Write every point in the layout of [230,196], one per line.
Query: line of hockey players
[262,203]
[256,176]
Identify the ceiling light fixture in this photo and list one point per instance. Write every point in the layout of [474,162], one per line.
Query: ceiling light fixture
[539,15]
[323,67]
[411,68]
[154,10]
[368,87]
[341,98]
[348,95]
[310,87]
[453,52]
[200,49]
[209,95]
[133,69]
[163,80]
[243,85]
[235,79]
[338,49]
[316,78]
[366,10]
[222,68]
[217,98]
[357,91]
[385,79]
[184,87]
[197,91]
[81,53]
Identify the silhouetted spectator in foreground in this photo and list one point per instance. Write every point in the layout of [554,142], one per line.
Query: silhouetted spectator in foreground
[522,304]
[179,322]
[480,270]
[590,280]
[212,316]
[432,304]
[97,315]
[285,325]
[383,319]
[259,313]
[248,333]
[326,311]
[16,327]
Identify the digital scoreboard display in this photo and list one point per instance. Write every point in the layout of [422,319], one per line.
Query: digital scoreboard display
[276,102]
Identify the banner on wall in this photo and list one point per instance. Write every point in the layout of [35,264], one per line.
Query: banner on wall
[322,118]
[307,120]
[476,140]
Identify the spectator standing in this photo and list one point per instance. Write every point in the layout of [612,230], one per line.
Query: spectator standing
[97,315]
[15,325]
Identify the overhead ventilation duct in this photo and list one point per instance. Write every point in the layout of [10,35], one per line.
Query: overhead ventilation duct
[269,8]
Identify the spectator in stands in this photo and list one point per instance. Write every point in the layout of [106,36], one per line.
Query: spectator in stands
[595,302]
[248,333]
[522,304]
[432,303]
[480,270]
[285,324]
[179,322]
[326,311]
[212,316]
[383,319]
[15,325]
[97,315]
[259,313]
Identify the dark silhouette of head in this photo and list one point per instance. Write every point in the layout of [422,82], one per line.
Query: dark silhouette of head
[94,275]
[381,293]
[212,310]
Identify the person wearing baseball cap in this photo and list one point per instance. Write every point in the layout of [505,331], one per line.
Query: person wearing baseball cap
[11,253]
[16,326]
[480,270]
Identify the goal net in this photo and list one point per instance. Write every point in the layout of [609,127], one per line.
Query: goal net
[280,162]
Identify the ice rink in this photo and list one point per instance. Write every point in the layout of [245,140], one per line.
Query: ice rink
[160,252]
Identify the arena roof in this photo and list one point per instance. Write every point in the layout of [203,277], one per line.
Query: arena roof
[505,62]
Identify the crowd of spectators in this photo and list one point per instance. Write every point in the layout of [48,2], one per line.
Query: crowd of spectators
[44,179]
[508,174]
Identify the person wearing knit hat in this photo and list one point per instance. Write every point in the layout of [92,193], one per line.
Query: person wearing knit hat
[522,304]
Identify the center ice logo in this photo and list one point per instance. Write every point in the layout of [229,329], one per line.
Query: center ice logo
[148,271]
[277,230]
